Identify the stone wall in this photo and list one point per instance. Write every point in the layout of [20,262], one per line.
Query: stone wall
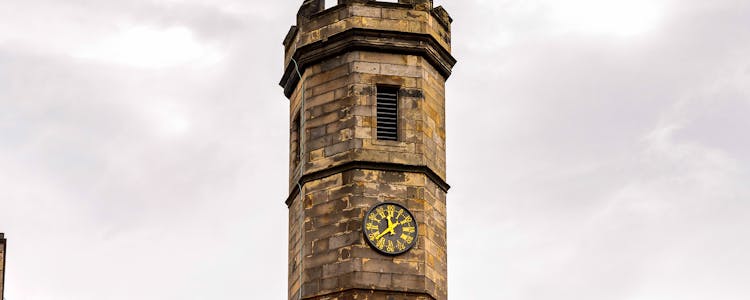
[340,109]
[335,256]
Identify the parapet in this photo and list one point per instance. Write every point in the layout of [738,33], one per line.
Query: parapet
[311,7]
[407,26]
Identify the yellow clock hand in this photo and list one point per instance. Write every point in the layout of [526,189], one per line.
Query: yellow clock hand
[390,228]
[383,233]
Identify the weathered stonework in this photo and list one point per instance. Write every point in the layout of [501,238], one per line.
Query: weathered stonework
[336,257]
[340,112]
[2,265]
[343,54]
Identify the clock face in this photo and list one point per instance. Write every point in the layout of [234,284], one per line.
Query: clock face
[390,228]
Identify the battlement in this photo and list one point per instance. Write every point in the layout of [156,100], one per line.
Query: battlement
[406,26]
[313,12]
[312,7]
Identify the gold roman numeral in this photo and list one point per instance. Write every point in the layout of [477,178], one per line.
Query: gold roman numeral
[400,245]
[371,226]
[380,211]
[400,213]
[407,238]
[374,218]
[391,209]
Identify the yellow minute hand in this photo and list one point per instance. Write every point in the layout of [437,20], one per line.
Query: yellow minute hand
[390,228]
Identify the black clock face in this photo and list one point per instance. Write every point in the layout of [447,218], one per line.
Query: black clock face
[390,228]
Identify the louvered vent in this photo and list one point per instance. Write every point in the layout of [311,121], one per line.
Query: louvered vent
[387,113]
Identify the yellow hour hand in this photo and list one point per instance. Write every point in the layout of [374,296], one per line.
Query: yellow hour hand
[382,234]
[390,228]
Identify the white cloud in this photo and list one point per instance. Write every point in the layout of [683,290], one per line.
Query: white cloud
[615,17]
[148,47]
[168,118]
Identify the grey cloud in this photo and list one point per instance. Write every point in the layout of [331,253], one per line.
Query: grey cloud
[583,166]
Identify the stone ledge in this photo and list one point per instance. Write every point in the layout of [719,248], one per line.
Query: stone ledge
[367,165]
[372,40]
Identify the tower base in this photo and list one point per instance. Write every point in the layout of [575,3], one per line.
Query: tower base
[361,294]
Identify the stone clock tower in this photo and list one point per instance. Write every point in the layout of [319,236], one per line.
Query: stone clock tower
[367,177]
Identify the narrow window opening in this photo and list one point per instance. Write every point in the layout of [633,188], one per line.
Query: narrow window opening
[330,3]
[387,113]
[296,137]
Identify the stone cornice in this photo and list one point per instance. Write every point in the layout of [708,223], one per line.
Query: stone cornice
[366,165]
[362,39]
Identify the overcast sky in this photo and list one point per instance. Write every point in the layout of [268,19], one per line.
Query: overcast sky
[598,149]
